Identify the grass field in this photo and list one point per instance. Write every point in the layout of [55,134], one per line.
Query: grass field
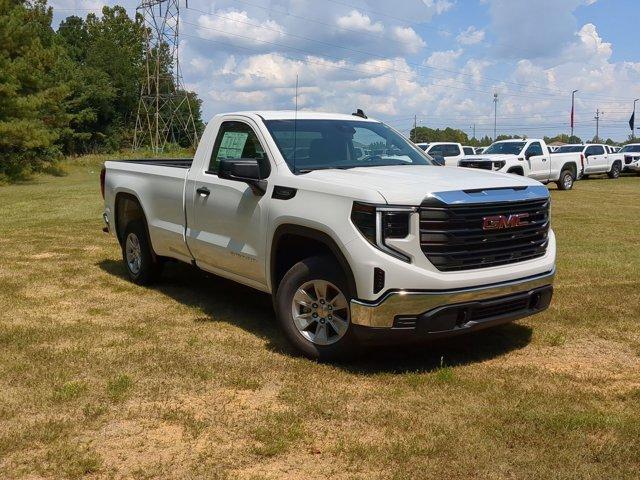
[192,379]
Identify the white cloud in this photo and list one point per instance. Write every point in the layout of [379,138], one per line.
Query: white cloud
[470,36]
[409,38]
[238,28]
[359,22]
[444,59]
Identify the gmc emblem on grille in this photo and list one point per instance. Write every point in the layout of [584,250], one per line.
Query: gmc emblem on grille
[498,222]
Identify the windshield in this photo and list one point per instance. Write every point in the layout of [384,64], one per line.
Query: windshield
[630,148]
[511,148]
[320,144]
[570,149]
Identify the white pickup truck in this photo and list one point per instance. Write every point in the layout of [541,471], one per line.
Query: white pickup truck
[354,247]
[529,158]
[629,156]
[597,158]
[450,152]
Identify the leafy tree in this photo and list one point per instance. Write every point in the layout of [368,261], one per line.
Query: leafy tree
[426,134]
[32,116]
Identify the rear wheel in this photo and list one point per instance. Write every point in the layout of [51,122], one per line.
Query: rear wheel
[566,180]
[615,170]
[312,307]
[142,267]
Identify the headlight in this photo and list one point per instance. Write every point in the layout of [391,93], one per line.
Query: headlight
[498,165]
[377,223]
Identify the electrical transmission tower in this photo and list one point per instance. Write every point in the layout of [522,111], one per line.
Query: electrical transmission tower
[165,111]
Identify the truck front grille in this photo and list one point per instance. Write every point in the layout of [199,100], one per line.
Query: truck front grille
[453,237]
[475,164]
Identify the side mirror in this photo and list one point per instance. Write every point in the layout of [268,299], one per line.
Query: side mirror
[528,155]
[245,170]
[438,160]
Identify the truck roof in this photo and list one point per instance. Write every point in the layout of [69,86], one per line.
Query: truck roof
[300,115]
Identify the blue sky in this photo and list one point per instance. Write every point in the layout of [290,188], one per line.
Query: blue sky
[440,60]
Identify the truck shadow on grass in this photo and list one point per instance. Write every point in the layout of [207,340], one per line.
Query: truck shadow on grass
[222,300]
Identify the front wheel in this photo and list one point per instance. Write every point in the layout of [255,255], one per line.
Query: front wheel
[615,170]
[566,180]
[312,307]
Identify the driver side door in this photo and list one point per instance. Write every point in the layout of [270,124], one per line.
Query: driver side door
[226,220]
[539,164]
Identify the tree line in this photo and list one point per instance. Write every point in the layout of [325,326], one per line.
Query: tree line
[68,91]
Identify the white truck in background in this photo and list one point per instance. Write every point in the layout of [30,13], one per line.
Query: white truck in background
[530,158]
[629,156]
[451,152]
[597,158]
[354,249]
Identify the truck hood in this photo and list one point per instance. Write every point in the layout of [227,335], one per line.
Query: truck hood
[410,184]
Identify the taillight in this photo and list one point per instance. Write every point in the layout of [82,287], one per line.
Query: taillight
[103,174]
[582,161]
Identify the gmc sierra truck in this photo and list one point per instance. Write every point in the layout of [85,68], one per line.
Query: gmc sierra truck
[597,158]
[356,235]
[629,156]
[529,158]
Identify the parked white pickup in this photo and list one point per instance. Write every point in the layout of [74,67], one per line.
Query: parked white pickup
[629,155]
[597,158]
[351,228]
[450,151]
[530,158]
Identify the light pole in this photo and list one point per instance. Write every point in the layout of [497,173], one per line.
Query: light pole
[634,118]
[495,115]
[573,97]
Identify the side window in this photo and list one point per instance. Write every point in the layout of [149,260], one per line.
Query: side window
[237,140]
[454,150]
[534,149]
[593,150]
[437,150]
[468,151]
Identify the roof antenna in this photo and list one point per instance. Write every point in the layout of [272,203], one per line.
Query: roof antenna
[359,113]
[295,128]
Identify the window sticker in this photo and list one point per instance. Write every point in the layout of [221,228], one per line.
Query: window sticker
[232,144]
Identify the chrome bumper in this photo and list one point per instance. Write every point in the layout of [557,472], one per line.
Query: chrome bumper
[381,314]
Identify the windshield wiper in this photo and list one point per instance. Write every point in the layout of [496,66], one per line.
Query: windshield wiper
[307,170]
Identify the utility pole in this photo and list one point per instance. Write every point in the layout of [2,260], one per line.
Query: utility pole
[415,125]
[474,130]
[633,136]
[495,116]
[573,96]
[165,110]
[597,117]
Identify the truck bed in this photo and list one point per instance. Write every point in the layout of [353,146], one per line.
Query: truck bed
[161,162]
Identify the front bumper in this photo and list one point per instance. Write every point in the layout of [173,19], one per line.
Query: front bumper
[432,314]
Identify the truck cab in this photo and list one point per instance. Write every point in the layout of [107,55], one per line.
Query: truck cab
[451,152]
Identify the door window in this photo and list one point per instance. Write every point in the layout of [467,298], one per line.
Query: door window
[594,150]
[237,140]
[533,150]
[452,150]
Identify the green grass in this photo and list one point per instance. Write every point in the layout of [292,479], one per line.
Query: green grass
[192,379]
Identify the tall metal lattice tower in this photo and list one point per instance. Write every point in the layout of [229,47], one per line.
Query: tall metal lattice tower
[165,111]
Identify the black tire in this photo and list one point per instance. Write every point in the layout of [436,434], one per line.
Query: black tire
[615,170]
[565,182]
[149,269]
[516,171]
[325,269]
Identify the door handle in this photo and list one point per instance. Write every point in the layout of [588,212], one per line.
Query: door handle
[203,191]
[544,159]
